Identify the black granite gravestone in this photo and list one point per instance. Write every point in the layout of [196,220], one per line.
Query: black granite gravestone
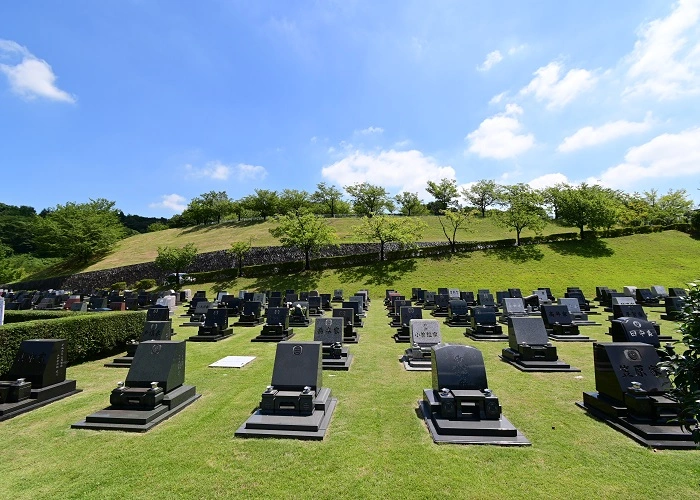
[631,396]
[429,300]
[442,304]
[577,315]
[406,314]
[560,326]
[584,304]
[674,307]
[198,315]
[215,327]
[326,302]
[36,378]
[425,333]
[634,330]
[646,298]
[350,335]
[395,312]
[152,330]
[295,405]
[315,306]
[251,315]
[483,325]
[357,319]
[659,291]
[512,307]
[529,348]
[460,408]
[276,328]
[457,313]
[329,331]
[158,313]
[79,307]
[299,314]
[337,295]
[153,391]
[515,293]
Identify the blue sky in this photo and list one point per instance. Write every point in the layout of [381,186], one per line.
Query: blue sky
[150,103]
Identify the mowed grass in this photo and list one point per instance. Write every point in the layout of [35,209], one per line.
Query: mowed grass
[376,445]
[144,247]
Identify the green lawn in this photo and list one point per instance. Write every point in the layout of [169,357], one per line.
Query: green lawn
[376,445]
[144,247]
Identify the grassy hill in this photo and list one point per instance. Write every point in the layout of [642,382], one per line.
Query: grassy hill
[207,238]
[376,445]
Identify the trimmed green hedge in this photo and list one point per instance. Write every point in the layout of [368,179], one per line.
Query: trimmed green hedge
[88,336]
[35,314]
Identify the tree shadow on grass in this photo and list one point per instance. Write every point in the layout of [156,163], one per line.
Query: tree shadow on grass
[221,225]
[378,273]
[517,255]
[590,248]
[305,280]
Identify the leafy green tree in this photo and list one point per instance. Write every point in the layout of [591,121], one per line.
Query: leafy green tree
[8,272]
[294,201]
[157,226]
[78,230]
[445,193]
[16,224]
[176,259]
[239,250]
[673,207]
[217,205]
[304,231]
[329,198]
[390,229]
[196,212]
[552,197]
[593,206]
[482,195]
[635,210]
[453,221]
[522,209]
[264,202]
[684,368]
[410,204]
[368,199]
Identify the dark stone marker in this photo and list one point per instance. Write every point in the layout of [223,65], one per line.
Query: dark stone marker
[350,335]
[457,313]
[529,348]
[634,330]
[157,313]
[215,327]
[276,328]
[560,324]
[329,331]
[483,325]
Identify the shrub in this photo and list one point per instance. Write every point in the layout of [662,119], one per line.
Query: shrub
[119,285]
[145,284]
[33,315]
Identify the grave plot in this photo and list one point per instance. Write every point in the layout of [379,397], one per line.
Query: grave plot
[152,330]
[153,391]
[512,307]
[578,317]
[215,327]
[36,378]
[560,326]
[315,306]
[357,317]
[425,333]
[631,396]
[395,312]
[529,347]
[251,314]
[350,335]
[457,313]
[337,295]
[295,405]
[406,314]
[673,307]
[299,314]
[483,326]
[199,313]
[442,303]
[460,408]
[276,328]
[329,331]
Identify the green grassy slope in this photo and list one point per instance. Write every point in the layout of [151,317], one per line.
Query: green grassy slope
[376,445]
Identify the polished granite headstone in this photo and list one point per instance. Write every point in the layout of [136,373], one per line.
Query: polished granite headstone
[634,330]
[350,335]
[560,325]
[315,306]
[215,327]
[337,295]
[329,331]
[674,307]
[395,312]
[457,313]
[460,408]
[36,378]
[199,313]
[356,307]
[578,317]
[295,405]
[153,391]
[425,333]
[251,315]
[152,330]
[512,307]
[631,396]
[276,328]
[483,326]
[645,297]
[529,347]
[299,314]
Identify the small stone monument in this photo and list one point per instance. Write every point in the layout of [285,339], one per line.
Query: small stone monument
[577,315]
[529,348]
[560,326]
[251,314]
[425,333]
[406,314]
[152,330]
[457,313]
[295,405]
[356,307]
[627,329]
[329,331]
[350,335]
[299,314]
[460,408]
[276,328]
[483,325]
[215,327]
[199,314]
[674,308]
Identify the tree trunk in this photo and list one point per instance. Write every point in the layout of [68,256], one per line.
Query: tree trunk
[517,237]
[240,266]
[381,251]
[483,212]
[307,267]
[581,228]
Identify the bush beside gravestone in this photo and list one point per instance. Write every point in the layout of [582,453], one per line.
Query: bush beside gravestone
[33,315]
[87,336]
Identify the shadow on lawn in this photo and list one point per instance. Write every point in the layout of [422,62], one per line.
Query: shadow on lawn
[305,280]
[229,224]
[516,255]
[590,248]
[378,273]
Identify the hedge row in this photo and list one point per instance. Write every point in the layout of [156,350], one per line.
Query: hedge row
[88,336]
[34,314]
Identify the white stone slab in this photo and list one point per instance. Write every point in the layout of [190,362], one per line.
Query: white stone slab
[232,362]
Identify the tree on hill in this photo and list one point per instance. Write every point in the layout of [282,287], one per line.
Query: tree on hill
[176,259]
[593,206]
[368,199]
[482,195]
[264,202]
[328,197]
[78,230]
[522,209]
[410,204]
[239,250]
[305,231]
[552,197]
[444,193]
[294,201]
[452,221]
[389,229]
[673,207]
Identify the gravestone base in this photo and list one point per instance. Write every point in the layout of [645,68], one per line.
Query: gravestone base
[309,427]
[193,323]
[587,322]
[350,336]
[213,336]
[490,333]
[534,365]
[316,313]
[302,323]
[567,333]
[439,313]
[341,364]
[38,398]
[135,420]
[273,334]
[249,321]
[402,335]
[457,322]
[659,435]
[123,362]
[497,431]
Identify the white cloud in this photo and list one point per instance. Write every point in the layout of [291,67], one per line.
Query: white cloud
[498,137]
[492,58]
[402,144]
[665,156]
[548,85]
[396,171]
[548,180]
[314,139]
[592,136]
[31,77]
[173,202]
[498,98]
[219,171]
[516,49]
[370,130]
[666,57]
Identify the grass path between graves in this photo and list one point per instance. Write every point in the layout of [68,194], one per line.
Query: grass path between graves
[376,445]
